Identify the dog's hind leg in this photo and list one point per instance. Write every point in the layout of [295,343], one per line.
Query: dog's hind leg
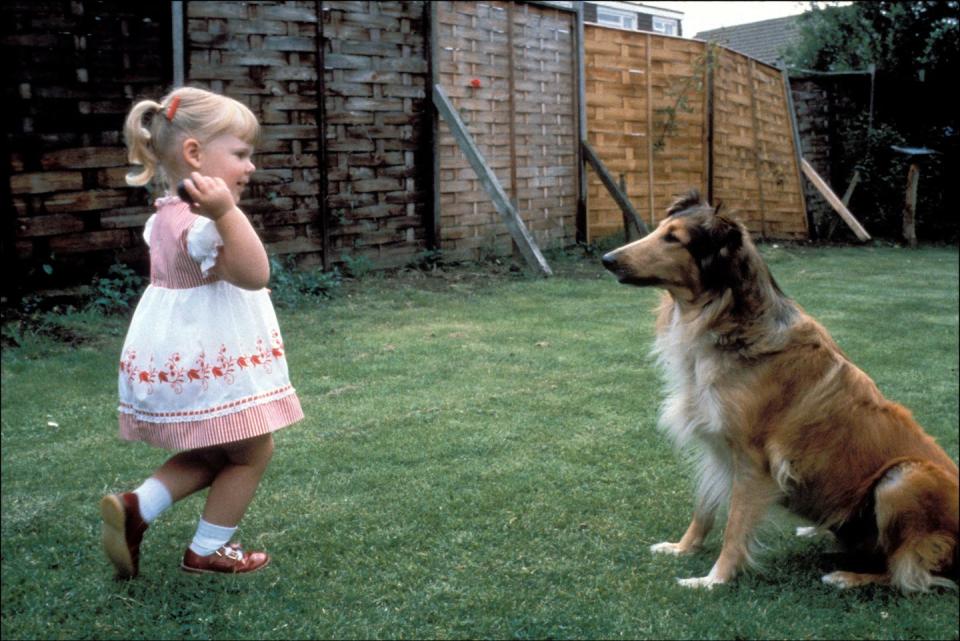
[916,512]
[917,518]
[854,579]
[751,497]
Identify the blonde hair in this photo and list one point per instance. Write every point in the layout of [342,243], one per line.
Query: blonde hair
[153,138]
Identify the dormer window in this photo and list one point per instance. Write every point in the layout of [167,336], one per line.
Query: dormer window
[666,26]
[616,18]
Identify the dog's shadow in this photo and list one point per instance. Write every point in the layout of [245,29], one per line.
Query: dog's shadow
[810,563]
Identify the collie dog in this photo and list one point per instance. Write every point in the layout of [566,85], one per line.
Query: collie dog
[776,413]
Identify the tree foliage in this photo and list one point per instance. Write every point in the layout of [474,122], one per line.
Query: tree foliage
[905,39]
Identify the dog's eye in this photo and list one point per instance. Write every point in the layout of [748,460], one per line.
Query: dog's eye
[670,238]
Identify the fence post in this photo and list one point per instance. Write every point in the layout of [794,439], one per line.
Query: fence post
[583,225]
[798,151]
[322,138]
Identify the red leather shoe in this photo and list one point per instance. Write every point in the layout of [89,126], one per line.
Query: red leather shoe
[229,559]
[123,529]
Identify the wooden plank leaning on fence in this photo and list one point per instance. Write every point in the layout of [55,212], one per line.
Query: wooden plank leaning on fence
[835,202]
[521,236]
[621,198]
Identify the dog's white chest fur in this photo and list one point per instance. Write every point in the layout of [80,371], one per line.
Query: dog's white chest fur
[691,367]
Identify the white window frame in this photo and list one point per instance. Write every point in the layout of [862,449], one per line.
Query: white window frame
[616,18]
[666,26]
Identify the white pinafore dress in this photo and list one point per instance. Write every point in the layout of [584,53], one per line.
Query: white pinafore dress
[203,362]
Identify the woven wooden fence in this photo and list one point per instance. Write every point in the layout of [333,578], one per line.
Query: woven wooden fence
[71,72]
[375,73]
[668,114]
[74,76]
[509,69]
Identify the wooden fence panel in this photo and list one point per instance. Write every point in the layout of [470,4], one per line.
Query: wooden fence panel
[755,168]
[375,77]
[677,72]
[72,71]
[377,118]
[264,54]
[648,118]
[522,115]
[618,123]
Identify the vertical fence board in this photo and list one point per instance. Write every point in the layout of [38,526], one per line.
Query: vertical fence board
[525,126]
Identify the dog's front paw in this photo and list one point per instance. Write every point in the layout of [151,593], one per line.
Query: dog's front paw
[700,582]
[668,548]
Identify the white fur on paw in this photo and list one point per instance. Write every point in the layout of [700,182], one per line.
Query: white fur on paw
[666,548]
[700,582]
[837,579]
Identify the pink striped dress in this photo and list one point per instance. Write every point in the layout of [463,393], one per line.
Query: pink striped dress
[203,362]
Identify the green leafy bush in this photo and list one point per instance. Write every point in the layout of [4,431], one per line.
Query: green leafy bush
[356,266]
[292,287]
[118,291]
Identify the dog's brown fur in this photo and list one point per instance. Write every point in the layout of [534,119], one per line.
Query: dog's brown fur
[779,414]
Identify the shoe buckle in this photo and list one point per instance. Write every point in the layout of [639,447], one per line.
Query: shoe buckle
[231,553]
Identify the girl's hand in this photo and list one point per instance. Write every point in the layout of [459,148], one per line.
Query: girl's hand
[210,194]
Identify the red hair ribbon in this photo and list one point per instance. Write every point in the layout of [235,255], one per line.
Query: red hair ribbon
[172,109]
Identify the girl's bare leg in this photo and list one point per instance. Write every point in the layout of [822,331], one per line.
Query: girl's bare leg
[191,471]
[234,485]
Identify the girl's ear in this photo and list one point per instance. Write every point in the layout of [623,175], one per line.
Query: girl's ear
[191,153]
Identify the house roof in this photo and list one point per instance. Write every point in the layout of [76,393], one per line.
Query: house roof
[763,40]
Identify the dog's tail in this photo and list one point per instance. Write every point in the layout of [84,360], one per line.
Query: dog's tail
[916,510]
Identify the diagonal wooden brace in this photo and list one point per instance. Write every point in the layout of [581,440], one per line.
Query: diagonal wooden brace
[523,238]
[618,196]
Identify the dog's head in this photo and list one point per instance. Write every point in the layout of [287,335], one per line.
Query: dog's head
[691,252]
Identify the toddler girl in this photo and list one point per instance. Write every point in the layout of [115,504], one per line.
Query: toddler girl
[203,367]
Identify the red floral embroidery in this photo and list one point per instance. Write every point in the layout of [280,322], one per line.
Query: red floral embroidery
[173,375]
[224,367]
[147,376]
[176,376]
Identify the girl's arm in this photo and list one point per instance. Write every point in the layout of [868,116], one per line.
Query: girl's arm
[242,260]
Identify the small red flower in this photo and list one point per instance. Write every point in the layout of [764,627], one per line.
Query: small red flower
[255,360]
[144,377]
[193,375]
[164,377]
[242,361]
[475,83]
[217,372]
[278,353]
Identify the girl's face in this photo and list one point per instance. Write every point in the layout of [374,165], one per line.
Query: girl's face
[229,158]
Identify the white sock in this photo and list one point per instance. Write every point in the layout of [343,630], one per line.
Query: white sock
[154,498]
[209,538]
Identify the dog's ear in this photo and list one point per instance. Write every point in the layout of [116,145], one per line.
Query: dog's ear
[715,247]
[691,199]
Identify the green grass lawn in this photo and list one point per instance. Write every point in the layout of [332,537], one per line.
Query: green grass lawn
[479,459]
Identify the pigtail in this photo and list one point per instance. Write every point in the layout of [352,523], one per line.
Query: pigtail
[140,141]
[153,130]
